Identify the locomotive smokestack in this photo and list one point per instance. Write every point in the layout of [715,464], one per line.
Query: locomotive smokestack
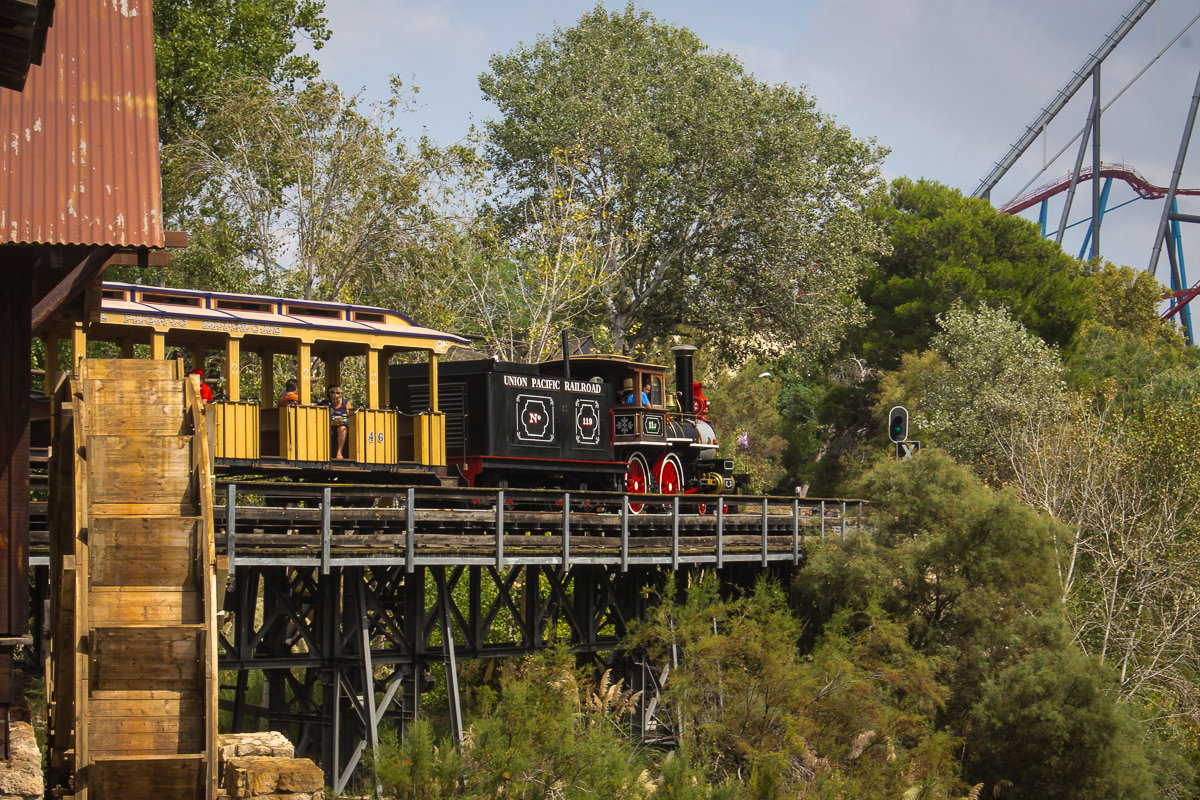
[683,376]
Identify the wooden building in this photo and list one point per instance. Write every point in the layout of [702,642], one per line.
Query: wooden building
[79,153]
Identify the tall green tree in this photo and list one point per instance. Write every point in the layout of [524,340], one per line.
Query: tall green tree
[202,45]
[984,376]
[329,199]
[716,199]
[969,573]
[947,249]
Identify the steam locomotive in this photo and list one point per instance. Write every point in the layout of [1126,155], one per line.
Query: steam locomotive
[592,422]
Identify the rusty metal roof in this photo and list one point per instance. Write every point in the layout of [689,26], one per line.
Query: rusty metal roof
[79,146]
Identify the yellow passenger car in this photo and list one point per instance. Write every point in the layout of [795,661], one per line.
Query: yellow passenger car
[258,432]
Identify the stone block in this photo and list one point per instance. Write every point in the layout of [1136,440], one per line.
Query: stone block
[21,775]
[265,743]
[255,776]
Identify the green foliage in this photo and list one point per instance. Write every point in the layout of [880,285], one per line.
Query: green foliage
[746,403]
[1048,725]
[306,194]
[417,767]
[852,719]
[968,574]
[714,198]
[1124,299]
[203,45]
[949,249]
[535,742]
[985,376]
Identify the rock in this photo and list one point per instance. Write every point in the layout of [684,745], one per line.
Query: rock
[251,777]
[21,776]
[266,743]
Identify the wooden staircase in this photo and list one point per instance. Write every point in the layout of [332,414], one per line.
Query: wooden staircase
[132,680]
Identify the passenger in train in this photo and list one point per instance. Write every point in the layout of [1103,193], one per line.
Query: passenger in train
[629,398]
[291,394]
[339,418]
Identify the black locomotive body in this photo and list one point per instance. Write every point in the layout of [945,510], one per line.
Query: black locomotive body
[593,422]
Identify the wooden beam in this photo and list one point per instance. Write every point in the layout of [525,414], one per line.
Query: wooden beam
[70,286]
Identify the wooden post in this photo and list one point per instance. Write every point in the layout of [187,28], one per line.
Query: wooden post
[385,389]
[199,353]
[51,379]
[304,372]
[372,377]
[333,370]
[233,369]
[78,344]
[158,345]
[433,382]
[15,385]
[127,347]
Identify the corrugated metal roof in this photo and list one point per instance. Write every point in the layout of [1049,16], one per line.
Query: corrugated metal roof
[79,147]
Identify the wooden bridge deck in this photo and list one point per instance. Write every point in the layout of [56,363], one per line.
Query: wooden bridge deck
[297,531]
[426,527]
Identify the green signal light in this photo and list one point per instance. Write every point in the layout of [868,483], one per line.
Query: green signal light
[898,424]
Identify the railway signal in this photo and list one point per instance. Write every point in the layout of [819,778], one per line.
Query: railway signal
[898,424]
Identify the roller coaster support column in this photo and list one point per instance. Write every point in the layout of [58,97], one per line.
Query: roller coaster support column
[1095,228]
[1087,237]
[1161,234]
[1177,267]
[1088,130]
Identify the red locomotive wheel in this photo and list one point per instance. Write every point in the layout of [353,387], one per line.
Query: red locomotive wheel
[637,479]
[669,473]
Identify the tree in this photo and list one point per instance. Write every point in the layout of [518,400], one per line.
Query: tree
[1126,488]
[969,574]
[983,376]
[852,718]
[327,199]
[1123,345]
[201,46]
[715,199]
[520,291]
[948,249]
[1046,727]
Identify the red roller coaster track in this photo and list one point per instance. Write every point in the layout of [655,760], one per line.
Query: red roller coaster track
[1131,176]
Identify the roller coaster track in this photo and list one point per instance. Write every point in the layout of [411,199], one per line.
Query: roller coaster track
[1136,181]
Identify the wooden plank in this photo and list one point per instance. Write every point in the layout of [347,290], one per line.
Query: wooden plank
[145,703]
[145,658]
[167,734]
[147,469]
[144,551]
[160,419]
[105,370]
[148,779]
[132,606]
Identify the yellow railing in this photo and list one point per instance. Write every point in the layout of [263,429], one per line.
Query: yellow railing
[374,436]
[237,426]
[304,433]
[429,439]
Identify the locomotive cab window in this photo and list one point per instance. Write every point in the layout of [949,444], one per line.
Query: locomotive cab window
[656,391]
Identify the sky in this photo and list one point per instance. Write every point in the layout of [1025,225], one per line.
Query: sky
[945,85]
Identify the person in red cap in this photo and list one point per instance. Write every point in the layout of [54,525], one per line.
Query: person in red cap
[205,392]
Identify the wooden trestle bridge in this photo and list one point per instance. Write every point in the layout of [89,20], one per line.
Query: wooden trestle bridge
[344,597]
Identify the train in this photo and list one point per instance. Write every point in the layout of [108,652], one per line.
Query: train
[588,422]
